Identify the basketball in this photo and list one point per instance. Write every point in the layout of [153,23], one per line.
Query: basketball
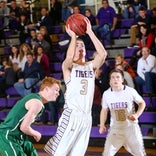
[77,24]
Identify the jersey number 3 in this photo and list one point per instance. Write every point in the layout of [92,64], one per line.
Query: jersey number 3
[84,83]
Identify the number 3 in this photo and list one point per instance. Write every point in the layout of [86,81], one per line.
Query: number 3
[84,83]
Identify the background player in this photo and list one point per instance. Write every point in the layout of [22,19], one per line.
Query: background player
[124,128]
[17,126]
[74,127]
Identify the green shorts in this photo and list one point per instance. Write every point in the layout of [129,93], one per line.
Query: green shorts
[11,146]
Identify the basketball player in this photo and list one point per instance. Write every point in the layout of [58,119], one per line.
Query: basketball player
[124,129]
[74,126]
[16,128]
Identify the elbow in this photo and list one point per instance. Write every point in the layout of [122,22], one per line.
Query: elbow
[104,55]
[24,129]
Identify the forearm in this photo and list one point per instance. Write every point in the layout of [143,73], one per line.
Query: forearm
[141,108]
[103,117]
[72,46]
[28,130]
[114,23]
[98,45]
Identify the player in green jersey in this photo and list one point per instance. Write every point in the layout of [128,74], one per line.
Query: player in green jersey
[16,128]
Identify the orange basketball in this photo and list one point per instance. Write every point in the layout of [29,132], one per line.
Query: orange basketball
[77,24]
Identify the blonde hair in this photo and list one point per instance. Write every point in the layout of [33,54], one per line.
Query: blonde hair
[21,54]
[119,55]
[48,82]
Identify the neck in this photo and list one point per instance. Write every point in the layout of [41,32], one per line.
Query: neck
[43,98]
[117,88]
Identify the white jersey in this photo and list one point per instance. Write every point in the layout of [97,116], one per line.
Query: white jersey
[79,86]
[121,105]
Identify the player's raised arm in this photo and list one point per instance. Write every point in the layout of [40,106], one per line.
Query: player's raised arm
[101,52]
[67,63]
[33,106]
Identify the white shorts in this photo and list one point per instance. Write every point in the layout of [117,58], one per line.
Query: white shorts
[72,135]
[130,138]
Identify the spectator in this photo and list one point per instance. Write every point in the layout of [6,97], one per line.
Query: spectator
[24,49]
[14,15]
[146,65]
[8,76]
[129,12]
[5,11]
[128,80]
[146,39]
[101,76]
[153,21]
[24,9]
[43,60]
[44,32]
[14,56]
[76,10]
[32,76]
[41,41]
[44,20]
[96,107]
[32,38]
[119,59]
[132,8]
[55,12]
[56,109]
[90,16]
[67,8]
[23,28]
[142,19]
[106,20]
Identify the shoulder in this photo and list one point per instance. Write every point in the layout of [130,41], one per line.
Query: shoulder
[34,101]
[107,92]
[131,91]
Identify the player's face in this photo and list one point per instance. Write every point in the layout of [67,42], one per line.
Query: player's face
[116,80]
[80,50]
[52,92]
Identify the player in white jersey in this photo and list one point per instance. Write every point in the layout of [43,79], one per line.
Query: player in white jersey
[124,129]
[74,126]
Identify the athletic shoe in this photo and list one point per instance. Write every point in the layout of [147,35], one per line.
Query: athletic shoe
[63,43]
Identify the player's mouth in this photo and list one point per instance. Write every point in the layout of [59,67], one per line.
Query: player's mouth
[81,50]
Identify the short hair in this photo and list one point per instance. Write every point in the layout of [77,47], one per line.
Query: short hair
[142,8]
[105,1]
[48,82]
[119,55]
[30,53]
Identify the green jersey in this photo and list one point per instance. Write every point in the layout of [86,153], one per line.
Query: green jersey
[16,116]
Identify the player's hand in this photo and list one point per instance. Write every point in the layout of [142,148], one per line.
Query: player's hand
[133,117]
[102,129]
[89,27]
[69,31]
[37,136]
